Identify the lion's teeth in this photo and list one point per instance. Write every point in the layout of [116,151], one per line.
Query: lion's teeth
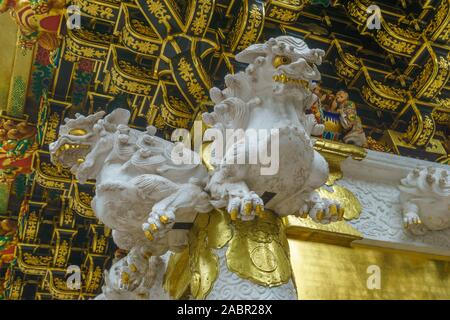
[282,78]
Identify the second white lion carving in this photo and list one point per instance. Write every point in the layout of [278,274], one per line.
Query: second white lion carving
[425,200]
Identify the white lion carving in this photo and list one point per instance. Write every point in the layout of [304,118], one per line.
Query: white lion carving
[272,93]
[425,200]
[137,184]
[139,188]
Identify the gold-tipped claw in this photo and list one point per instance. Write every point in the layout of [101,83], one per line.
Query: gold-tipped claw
[320,215]
[234,214]
[133,268]
[125,277]
[408,225]
[154,227]
[333,210]
[248,208]
[164,219]
[259,209]
[304,215]
[341,213]
[149,235]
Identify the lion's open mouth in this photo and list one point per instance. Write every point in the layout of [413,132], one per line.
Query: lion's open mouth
[282,78]
[69,155]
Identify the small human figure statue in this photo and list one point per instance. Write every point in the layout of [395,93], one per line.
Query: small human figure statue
[322,112]
[351,123]
[314,114]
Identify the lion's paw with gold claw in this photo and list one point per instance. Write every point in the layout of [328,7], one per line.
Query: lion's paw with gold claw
[322,210]
[159,223]
[245,207]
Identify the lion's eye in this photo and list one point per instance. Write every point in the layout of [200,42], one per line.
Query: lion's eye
[280,60]
[77,132]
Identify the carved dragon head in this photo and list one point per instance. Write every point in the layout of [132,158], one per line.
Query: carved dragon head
[285,60]
[82,139]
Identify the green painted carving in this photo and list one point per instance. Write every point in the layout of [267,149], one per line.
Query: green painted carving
[4,196]
[17,97]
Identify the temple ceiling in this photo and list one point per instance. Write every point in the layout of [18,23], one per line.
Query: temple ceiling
[159,58]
